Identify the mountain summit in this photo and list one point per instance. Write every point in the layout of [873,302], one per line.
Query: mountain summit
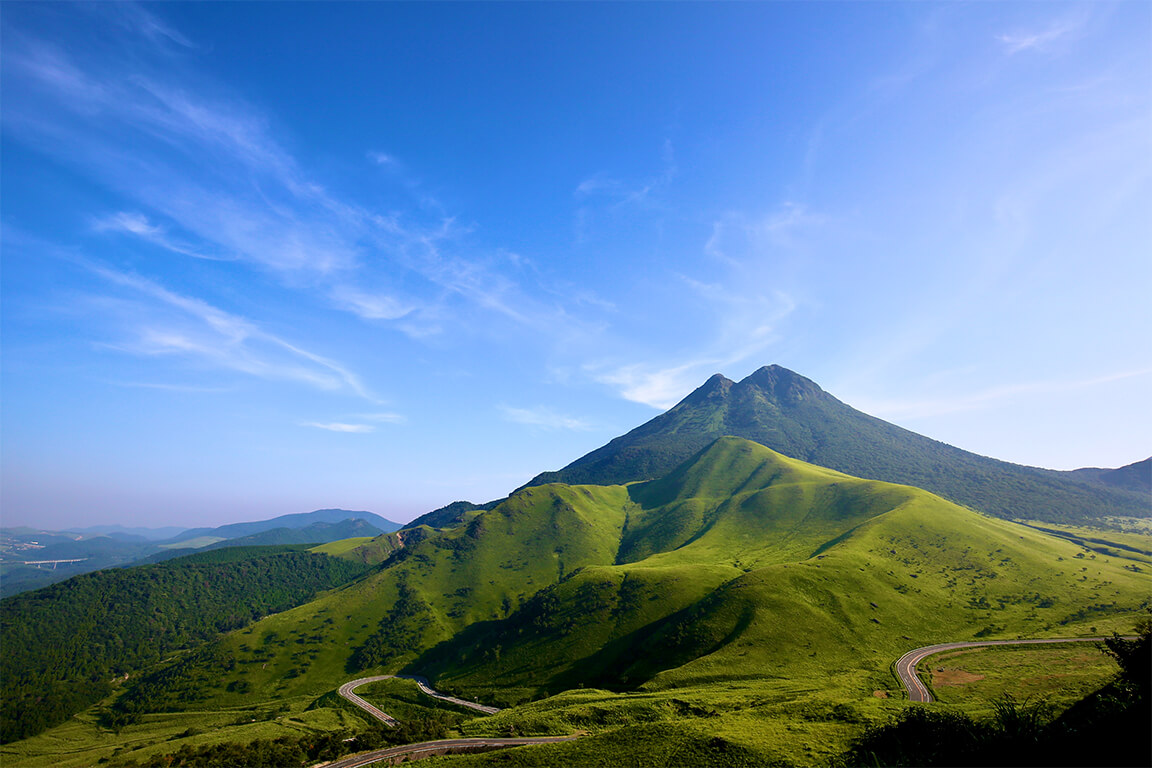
[789,413]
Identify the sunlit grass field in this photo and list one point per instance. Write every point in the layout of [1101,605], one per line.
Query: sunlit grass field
[1057,674]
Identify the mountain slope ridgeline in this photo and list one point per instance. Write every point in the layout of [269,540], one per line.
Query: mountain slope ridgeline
[788,413]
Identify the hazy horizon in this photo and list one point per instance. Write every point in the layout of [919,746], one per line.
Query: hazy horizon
[262,259]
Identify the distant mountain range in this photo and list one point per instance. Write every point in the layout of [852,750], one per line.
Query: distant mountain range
[1135,477]
[129,534]
[316,533]
[294,522]
[110,546]
[786,412]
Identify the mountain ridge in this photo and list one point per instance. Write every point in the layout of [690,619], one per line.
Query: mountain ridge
[293,520]
[789,413]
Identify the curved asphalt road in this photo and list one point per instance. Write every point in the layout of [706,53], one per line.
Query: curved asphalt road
[422,684]
[348,687]
[425,748]
[444,746]
[346,692]
[917,691]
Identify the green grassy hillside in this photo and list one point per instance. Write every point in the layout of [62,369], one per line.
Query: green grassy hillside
[805,569]
[746,606]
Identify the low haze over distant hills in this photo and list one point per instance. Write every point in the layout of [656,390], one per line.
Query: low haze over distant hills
[299,520]
[122,532]
[113,545]
[793,415]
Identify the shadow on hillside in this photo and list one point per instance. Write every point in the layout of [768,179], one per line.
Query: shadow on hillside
[623,664]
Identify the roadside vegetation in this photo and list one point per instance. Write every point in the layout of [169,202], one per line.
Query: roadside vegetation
[291,751]
[1107,727]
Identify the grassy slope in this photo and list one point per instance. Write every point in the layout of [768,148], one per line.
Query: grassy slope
[922,572]
[747,597]
[342,546]
[1058,674]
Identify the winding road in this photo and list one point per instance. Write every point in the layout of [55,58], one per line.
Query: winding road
[917,691]
[426,748]
[346,691]
[442,747]
[421,683]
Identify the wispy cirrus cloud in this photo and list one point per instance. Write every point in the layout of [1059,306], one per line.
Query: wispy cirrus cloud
[370,306]
[543,417]
[139,21]
[189,388]
[201,161]
[382,158]
[138,224]
[336,426]
[739,309]
[382,418]
[620,192]
[1068,26]
[355,424]
[737,238]
[652,385]
[987,398]
[155,321]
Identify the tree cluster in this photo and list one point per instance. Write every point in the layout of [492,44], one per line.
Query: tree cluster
[67,644]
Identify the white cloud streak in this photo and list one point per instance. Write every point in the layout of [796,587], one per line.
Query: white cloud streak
[139,225]
[747,302]
[200,331]
[135,18]
[987,398]
[339,427]
[369,306]
[659,388]
[737,238]
[382,418]
[622,193]
[1018,42]
[543,417]
[165,142]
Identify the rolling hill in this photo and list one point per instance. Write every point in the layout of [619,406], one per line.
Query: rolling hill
[788,413]
[749,602]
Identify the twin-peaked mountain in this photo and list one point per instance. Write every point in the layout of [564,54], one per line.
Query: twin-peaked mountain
[791,414]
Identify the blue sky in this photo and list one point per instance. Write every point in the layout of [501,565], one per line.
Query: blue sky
[262,258]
